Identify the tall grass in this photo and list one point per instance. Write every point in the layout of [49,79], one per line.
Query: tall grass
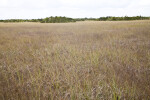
[75,61]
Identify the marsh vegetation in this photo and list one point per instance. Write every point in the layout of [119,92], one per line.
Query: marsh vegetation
[87,60]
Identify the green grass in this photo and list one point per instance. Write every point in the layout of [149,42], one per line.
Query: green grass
[75,61]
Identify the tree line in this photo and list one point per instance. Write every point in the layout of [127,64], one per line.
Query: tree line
[110,18]
[59,19]
[56,19]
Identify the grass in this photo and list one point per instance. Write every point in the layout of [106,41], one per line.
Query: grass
[75,61]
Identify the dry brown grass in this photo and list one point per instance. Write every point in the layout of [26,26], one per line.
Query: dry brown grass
[75,61]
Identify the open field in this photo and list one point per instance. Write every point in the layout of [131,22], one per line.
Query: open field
[75,61]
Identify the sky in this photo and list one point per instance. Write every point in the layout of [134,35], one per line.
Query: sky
[33,9]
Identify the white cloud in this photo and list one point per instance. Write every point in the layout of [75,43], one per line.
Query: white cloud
[72,8]
[144,2]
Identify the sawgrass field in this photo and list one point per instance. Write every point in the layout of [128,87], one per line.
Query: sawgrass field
[89,60]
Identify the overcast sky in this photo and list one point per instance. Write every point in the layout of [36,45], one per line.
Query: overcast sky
[27,9]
